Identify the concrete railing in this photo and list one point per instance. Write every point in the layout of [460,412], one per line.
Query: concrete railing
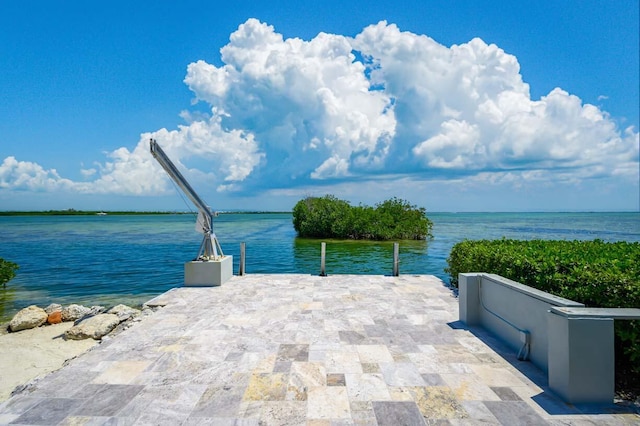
[515,312]
[571,343]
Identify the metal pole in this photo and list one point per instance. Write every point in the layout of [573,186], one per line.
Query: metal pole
[396,259]
[323,252]
[242,258]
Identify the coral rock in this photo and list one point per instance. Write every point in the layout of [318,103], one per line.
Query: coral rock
[54,307]
[74,312]
[29,317]
[124,312]
[55,317]
[93,327]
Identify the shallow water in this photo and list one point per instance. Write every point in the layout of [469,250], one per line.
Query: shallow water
[129,259]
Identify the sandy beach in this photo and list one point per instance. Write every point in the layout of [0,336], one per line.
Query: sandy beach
[29,354]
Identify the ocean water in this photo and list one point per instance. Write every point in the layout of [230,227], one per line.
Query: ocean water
[129,259]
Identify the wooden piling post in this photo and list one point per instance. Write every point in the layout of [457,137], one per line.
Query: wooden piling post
[396,259]
[323,253]
[242,259]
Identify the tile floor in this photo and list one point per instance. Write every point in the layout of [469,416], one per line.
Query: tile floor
[302,350]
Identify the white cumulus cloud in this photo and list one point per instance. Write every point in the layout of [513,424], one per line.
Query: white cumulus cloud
[467,108]
[288,113]
[308,103]
[25,175]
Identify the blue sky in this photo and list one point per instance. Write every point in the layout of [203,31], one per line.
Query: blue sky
[455,106]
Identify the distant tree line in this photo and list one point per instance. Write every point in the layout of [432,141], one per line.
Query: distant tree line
[330,217]
[73,212]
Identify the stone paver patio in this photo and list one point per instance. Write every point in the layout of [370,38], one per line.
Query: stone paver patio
[302,350]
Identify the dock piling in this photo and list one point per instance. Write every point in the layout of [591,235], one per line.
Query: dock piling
[396,259]
[323,253]
[242,259]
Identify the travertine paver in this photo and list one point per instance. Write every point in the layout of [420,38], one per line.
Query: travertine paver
[307,350]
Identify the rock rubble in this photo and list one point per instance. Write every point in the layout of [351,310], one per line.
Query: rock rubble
[93,322]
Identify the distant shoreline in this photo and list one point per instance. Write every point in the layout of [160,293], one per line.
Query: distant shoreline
[72,212]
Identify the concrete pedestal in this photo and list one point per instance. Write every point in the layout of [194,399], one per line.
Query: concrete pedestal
[208,273]
[581,358]
[469,298]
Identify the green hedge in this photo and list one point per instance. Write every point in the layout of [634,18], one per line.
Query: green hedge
[595,273]
[7,271]
[330,217]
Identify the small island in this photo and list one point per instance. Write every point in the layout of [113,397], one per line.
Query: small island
[330,217]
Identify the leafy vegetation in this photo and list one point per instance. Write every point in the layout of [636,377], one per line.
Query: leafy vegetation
[595,273]
[7,271]
[330,217]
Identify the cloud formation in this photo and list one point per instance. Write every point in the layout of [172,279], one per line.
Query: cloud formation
[292,113]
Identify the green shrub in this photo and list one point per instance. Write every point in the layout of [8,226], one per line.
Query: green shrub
[7,271]
[595,273]
[330,217]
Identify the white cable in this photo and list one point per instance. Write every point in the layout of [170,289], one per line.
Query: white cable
[523,354]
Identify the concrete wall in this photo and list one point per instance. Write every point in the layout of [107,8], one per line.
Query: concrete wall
[571,343]
[504,307]
[581,358]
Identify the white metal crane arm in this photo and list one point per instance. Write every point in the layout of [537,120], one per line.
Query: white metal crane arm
[210,247]
[177,177]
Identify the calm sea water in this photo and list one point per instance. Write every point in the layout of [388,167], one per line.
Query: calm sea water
[129,259]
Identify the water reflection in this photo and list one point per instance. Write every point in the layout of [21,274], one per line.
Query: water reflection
[358,257]
[7,295]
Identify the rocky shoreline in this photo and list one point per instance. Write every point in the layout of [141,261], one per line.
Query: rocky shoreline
[39,340]
[88,322]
